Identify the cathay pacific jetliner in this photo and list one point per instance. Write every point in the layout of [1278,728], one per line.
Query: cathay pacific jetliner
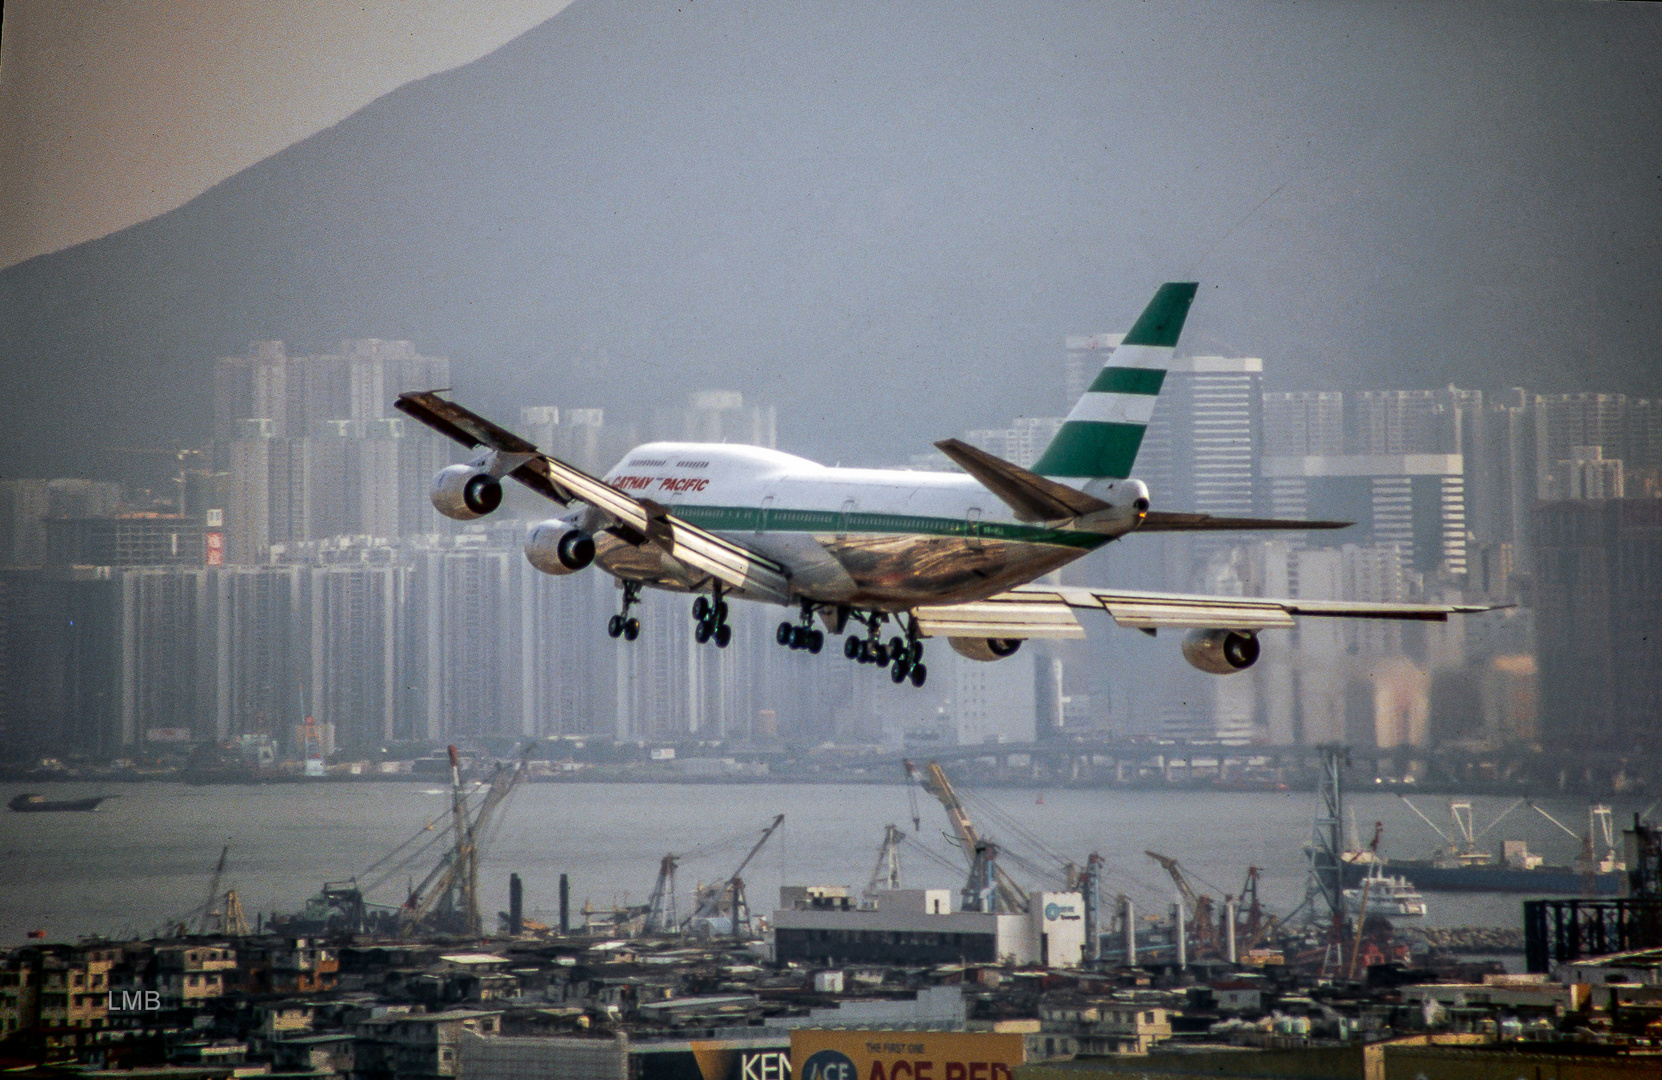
[865,552]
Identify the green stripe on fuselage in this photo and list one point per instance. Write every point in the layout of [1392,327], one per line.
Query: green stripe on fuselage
[1128,380]
[1091,448]
[781,519]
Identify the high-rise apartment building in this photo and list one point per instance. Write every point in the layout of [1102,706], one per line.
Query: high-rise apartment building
[1304,422]
[1597,576]
[1021,443]
[717,416]
[359,664]
[1566,421]
[1414,501]
[465,600]
[314,446]
[28,506]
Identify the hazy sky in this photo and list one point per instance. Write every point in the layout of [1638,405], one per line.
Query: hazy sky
[114,111]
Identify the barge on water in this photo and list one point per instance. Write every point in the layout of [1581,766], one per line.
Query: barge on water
[30,803]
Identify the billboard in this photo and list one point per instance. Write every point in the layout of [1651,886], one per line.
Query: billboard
[905,1055]
[717,1060]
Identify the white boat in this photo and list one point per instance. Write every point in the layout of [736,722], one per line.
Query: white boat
[1387,895]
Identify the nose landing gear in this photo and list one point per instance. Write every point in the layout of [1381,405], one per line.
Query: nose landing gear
[623,624]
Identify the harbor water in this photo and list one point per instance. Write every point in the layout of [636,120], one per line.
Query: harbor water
[146,856]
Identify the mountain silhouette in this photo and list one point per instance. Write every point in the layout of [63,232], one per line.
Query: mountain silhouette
[881,218]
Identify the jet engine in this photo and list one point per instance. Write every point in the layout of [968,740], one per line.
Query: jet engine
[555,547]
[984,648]
[464,492]
[1221,652]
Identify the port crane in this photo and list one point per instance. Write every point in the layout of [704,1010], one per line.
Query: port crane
[1259,924]
[1201,929]
[886,874]
[447,900]
[988,888]
[711,900]
[660,906]
[211,912]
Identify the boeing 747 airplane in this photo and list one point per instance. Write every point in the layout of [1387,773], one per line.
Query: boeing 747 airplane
[856,551]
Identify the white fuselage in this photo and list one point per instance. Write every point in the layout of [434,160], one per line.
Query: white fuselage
[881,538]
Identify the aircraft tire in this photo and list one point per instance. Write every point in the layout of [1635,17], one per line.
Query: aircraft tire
[816,641]
[631,628]
[724,634]
[919,674]
[614,626]
[897,672]
[705,629]
[783,634]
[851,647]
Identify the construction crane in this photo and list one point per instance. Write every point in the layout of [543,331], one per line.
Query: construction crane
[886,874]
[1201,928]
[1362,901]
[988,888]
[210,909]
[235,923]
[447,900]
[729,894]
[1258,924]
[660,906]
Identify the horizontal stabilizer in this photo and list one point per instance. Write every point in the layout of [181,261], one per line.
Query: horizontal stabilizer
[1167,521]
[1029,495]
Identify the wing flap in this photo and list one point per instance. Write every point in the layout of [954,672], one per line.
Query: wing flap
[1195,613]
[706,552]
[1007,615]
[1151,611]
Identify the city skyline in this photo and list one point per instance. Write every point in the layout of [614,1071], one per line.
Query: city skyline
[354,598]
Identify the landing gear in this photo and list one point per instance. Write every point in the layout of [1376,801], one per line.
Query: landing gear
[712,620]
[802,635]
[623,624]
[902,655]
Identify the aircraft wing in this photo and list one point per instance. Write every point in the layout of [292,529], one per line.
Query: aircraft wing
[1169,521]
[1046,611]
[639,521]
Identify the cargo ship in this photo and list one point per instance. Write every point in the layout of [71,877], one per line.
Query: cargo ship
[1463,866]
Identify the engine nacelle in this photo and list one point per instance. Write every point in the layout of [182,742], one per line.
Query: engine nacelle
[984,648]
[554,547]
[1221,652]
[463,492]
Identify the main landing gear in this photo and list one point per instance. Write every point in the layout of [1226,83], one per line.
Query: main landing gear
[902,655]
[712,620]
[803,635]
[623,624]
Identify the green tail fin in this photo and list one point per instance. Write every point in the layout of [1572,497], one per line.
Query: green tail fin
[1103,433]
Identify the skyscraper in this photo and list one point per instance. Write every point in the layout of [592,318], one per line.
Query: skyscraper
[314,447]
